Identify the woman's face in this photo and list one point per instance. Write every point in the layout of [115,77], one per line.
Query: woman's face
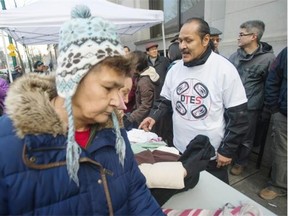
[124,92]
[97,95]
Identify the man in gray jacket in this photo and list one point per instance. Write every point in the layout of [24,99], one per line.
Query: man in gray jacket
[252,60]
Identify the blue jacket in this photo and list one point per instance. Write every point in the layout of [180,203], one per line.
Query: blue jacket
[276,85]
[33,174]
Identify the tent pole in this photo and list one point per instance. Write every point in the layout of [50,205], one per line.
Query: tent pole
[7,58]
[164,40]
[9,37]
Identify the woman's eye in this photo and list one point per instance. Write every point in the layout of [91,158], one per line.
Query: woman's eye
[108,88]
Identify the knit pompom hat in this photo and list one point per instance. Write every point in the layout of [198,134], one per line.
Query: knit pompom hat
[84,41]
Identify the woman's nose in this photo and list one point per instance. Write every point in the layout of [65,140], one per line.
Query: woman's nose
[122,105]
[118,101]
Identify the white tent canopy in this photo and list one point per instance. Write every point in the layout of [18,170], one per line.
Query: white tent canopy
[39,22]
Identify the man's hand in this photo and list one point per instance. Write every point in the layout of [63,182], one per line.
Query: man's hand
[147,124]
[222,161]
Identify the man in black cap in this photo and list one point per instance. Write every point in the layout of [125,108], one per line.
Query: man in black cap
[215,38]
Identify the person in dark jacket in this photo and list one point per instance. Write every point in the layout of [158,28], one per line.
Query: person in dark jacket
[215,38]
[67,153]
[166,124]
[147,82]
[252,60]
[174,53]
[201,88]
[160,63]
[276,103]
[17,73]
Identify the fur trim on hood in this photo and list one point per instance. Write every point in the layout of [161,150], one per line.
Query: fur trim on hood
[151,72]
[28,105]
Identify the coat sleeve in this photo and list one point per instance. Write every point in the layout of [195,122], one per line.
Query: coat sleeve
[160,108]
[3,198]
[3,88]
[274,82]
[236,127]
[145,90]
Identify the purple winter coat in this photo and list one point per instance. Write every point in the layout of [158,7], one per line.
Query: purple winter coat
[3,90]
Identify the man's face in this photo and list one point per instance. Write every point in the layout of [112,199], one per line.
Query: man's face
[190,42]
[126,50]
[215,39]
[40,67]
[152,52]
[245,38]
[97,95]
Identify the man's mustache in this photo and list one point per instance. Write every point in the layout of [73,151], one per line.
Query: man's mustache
[185,51]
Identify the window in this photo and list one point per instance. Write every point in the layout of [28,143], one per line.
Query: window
[176,12]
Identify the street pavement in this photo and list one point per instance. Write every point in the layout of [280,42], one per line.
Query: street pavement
[252,180]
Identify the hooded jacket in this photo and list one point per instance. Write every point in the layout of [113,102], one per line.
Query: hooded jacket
[147,83]
[276,85]
[253,70]
[161,65]
[33,174]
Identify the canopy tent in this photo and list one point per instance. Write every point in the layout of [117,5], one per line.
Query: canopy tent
[39,22]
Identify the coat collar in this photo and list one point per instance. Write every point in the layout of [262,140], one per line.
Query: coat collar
[28,106]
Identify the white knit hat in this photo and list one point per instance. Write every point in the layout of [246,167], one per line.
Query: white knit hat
[84,41]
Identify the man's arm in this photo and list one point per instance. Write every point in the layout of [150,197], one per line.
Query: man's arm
[160,108]
[236,127]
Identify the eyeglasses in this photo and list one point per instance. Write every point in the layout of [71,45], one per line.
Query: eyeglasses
[242,34]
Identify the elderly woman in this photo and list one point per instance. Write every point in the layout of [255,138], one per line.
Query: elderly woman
[62,151]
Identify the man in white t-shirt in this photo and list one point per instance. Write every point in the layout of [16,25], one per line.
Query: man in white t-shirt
[207,97]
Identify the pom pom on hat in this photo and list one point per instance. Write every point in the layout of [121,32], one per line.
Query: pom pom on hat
[81,11]
[84,41]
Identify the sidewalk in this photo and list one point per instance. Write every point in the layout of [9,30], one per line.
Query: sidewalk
[252,180]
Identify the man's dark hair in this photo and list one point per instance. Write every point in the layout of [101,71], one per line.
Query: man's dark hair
[127,48]
[203,26]
[37,64]
[174,52]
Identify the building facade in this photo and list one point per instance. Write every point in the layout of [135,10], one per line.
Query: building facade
[226,15]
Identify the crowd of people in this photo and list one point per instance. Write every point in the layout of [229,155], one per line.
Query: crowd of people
[67,132]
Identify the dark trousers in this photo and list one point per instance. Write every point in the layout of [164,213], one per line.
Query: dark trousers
[244,150]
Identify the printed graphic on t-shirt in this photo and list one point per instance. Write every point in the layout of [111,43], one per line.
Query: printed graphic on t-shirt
[192,100]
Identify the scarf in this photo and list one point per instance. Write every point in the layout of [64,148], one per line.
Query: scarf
[201,60]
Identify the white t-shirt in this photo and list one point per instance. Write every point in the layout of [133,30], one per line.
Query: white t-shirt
[199,96]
